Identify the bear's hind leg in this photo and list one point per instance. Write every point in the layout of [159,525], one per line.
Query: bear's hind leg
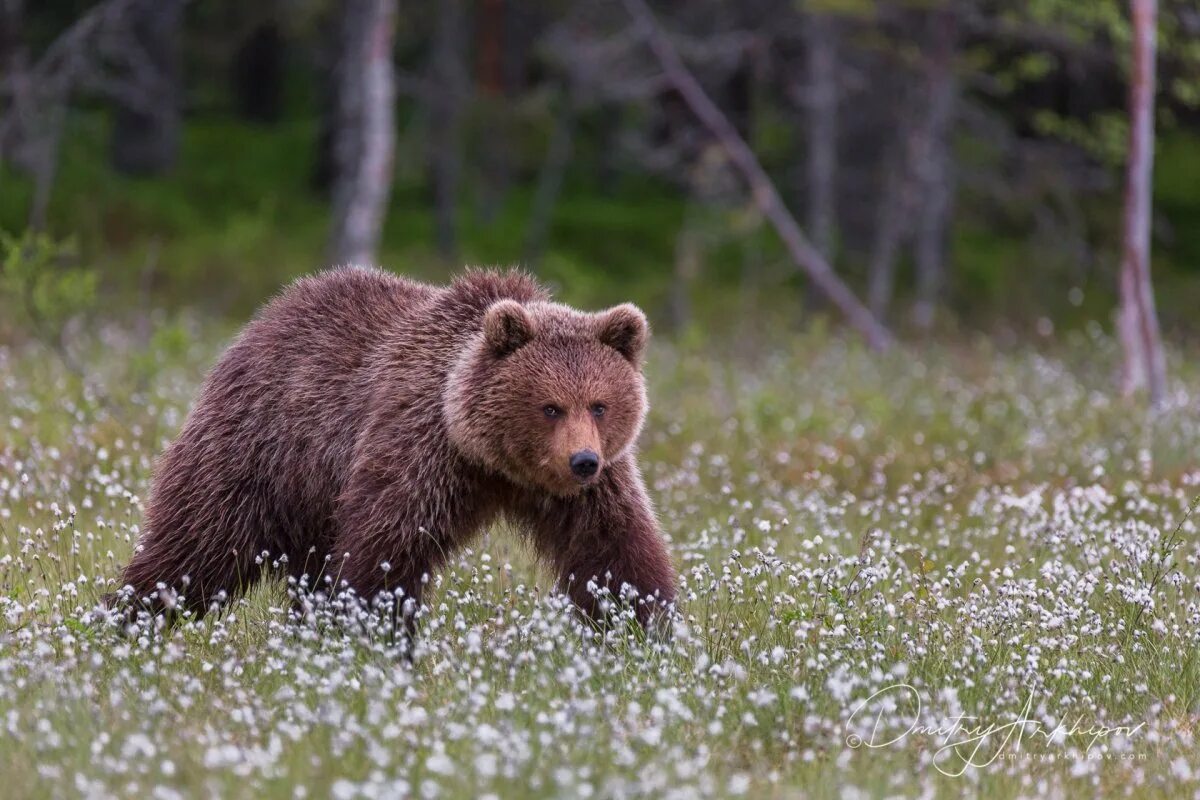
[172,576]
[203,543]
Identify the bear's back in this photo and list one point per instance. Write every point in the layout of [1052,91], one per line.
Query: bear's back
[287,400]
[304,347]
[283,403]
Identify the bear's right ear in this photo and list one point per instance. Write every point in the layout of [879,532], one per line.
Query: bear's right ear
[507,327]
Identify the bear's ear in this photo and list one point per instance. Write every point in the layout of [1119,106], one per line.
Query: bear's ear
[624,329]
[507,327]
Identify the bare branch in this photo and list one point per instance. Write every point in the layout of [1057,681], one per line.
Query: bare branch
[762,189]
[85,56]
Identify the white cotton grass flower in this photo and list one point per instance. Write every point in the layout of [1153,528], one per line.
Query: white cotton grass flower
[993,537]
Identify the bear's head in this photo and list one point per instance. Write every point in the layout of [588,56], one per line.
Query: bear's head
[548,396]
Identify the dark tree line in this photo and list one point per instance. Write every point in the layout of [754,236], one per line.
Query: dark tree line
[839,125]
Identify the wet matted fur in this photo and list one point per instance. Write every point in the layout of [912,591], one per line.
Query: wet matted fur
[365,427]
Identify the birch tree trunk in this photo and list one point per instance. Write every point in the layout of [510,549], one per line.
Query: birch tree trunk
[365,137]
[1144,365]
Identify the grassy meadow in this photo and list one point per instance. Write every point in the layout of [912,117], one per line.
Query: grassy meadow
[963,570]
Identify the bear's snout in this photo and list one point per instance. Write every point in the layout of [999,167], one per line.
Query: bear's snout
[585,464]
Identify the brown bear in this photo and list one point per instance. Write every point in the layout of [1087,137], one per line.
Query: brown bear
[365,426]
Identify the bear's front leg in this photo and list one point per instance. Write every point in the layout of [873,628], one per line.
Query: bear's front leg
[608,538]
[398,522]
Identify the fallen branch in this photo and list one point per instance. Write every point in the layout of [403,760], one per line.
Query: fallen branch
[762,189]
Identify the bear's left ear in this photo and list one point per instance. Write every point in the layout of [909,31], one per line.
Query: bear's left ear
[624,329]
[507,327]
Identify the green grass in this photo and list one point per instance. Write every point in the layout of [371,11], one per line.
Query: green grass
[988,526]
[984,522]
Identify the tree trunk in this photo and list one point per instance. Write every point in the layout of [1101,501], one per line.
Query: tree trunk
[445,157]
[934,166]
[325,58]
[145,136]
[494,151]
[550,179]
[11,32]
[259,72]
[15,147]
[895,207]
[822,114]
[890,229]
[929,248]
[32,133]
[688,256]
[918,191]
[45,170]
[14,53]
[1144,365]
[365,139]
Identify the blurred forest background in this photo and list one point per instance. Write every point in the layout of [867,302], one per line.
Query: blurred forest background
[909,165]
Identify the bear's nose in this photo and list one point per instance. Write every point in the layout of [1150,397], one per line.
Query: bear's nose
[585,464]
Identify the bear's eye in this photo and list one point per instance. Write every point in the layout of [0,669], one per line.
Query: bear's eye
[552,411]
[598,409]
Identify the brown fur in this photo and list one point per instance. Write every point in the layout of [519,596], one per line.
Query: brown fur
[362,418]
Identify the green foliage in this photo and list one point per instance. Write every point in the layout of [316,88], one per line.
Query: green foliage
[1176,178]
[168,345]
[848,8]
[1080,22]
[41,281]
[1104,135]
[1103,26]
